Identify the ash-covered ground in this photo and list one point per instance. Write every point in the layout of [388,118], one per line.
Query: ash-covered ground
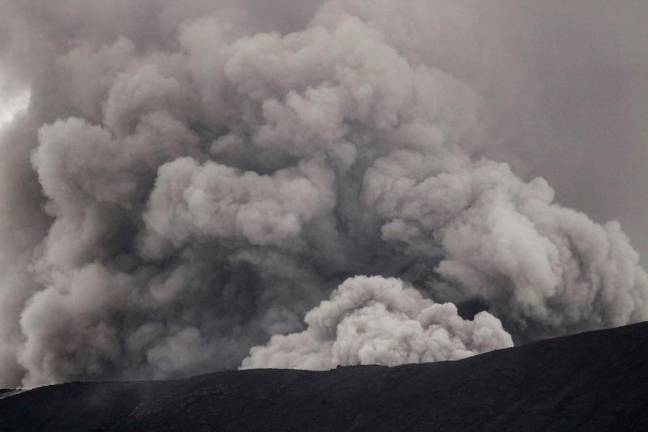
[595,381]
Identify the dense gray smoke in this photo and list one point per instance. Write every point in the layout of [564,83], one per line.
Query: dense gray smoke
[192,178]
[380,321]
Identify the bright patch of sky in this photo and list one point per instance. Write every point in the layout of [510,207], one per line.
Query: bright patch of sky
[10,106]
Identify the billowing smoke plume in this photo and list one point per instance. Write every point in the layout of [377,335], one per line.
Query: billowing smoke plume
[380,321]
[190,180]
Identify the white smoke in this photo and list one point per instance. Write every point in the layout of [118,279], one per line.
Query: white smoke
[380,321]
[189,182]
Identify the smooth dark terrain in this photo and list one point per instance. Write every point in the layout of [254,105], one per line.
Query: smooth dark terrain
[595,381]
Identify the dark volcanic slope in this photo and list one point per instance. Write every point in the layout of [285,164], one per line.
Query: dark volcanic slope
[590,382]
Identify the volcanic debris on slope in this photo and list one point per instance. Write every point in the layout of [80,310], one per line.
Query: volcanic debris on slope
[594,381]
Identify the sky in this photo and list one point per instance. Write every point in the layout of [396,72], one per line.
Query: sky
[10,106]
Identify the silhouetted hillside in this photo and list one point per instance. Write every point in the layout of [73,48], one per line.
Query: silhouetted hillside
[594,381]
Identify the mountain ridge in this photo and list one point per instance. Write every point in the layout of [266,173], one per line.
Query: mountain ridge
[591,381]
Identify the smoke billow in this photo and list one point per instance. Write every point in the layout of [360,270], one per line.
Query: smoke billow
[380,321]
[189,182]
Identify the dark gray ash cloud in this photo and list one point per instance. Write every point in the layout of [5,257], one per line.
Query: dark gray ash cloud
[191,179]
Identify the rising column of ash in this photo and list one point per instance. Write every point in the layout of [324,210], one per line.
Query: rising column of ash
[189,181]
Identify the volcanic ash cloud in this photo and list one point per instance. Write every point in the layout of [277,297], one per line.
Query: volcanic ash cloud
[187,185]
[380,321]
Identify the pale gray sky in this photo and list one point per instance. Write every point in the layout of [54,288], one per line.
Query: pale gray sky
[10,106]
